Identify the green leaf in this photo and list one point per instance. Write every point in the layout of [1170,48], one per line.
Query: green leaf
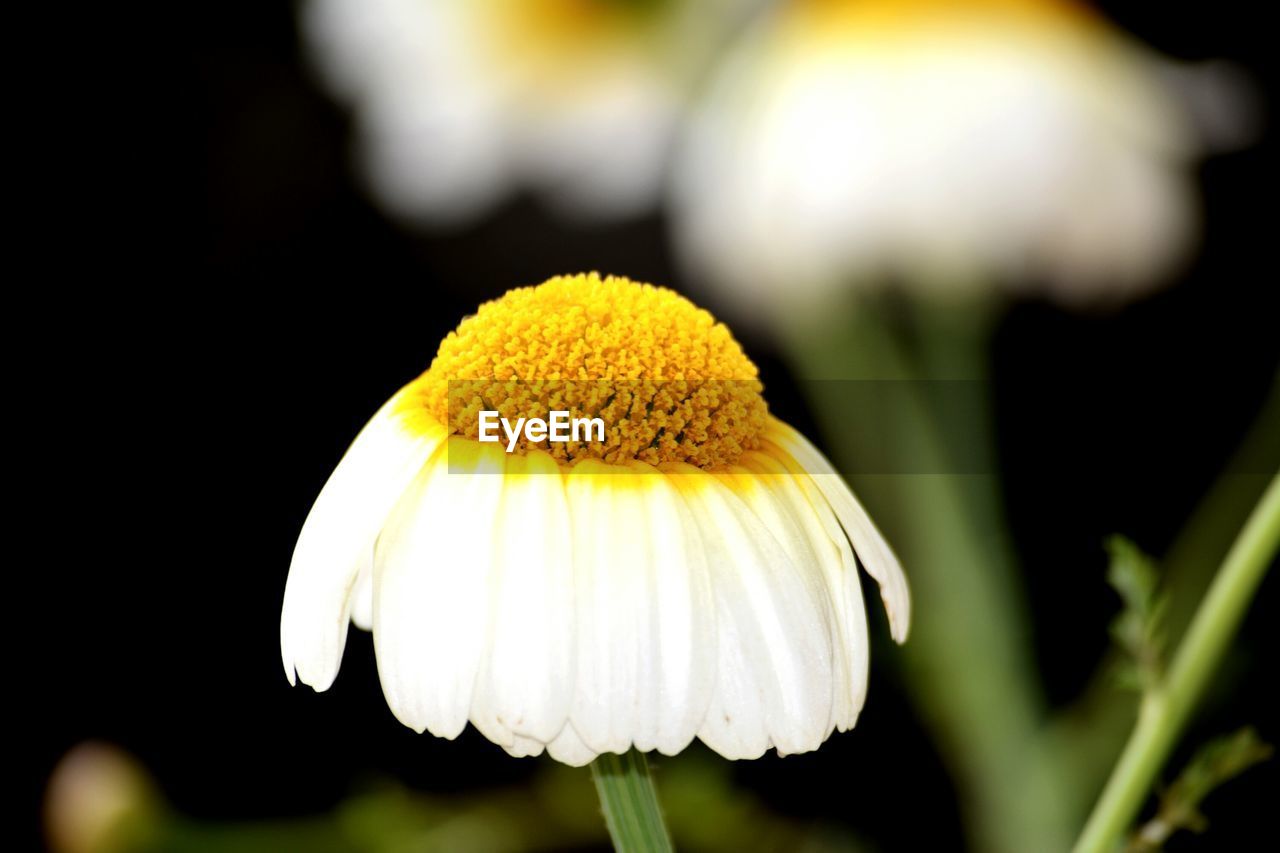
[1137,630]
[1216,762]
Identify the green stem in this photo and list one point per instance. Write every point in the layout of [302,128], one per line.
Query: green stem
[630,802]
[1086,738]
[1165,711]
[968,664]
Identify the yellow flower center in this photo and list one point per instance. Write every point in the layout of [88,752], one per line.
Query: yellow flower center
[670,383]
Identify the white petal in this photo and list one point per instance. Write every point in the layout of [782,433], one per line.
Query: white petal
[525,747]
[362,599]
[526,677]
[645,617]
[610,557]
[431,592]
[774,683]
[569,749]
[804,728]
[797,495]
[678,673]
[734,725]
[337,541]
[876,555]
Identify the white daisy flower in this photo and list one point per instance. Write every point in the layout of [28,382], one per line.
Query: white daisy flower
[941,144]
[460,101]
[690,574]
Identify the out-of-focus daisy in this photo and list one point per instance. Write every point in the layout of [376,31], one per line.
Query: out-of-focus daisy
[460,101]
[693,574]
[940,144]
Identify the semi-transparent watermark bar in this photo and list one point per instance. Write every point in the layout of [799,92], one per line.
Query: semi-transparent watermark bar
[877,427]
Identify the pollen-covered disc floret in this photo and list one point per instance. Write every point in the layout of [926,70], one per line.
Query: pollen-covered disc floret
[582,610]
[670,383]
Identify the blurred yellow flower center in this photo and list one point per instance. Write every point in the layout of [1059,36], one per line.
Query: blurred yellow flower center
[864,17]
[670,383]
[559,38]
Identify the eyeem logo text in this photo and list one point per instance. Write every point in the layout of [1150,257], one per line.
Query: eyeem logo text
[558,427]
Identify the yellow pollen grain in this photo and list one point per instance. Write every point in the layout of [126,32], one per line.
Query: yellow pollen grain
[670,383]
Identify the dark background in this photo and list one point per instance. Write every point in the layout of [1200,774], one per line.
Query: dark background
[239,309]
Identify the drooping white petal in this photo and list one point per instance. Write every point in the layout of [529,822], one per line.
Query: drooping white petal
[431,589]
[524,747]
[876,555]
[525,681]
[734,725]
[611,616]
[678,677]
[362,599]
[852,693]
[337,541]
[645,618]
[569,749]
[774,684]
[810,588]
[795,495]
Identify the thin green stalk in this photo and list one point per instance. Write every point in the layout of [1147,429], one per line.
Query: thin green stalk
[967,664]
[1086,738]
[630,802]
[1165,710]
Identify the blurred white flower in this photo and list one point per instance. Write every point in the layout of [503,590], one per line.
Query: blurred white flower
[460,101]
[943,145]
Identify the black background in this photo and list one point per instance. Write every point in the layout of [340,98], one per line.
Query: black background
[235,308]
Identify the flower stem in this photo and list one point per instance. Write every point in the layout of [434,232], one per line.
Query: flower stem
[1086,737]
[630,802]
[1165,710]
[968,664]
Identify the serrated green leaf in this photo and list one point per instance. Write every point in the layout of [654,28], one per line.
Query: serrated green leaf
[1216,762]
[1137,629]
[1132,573]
